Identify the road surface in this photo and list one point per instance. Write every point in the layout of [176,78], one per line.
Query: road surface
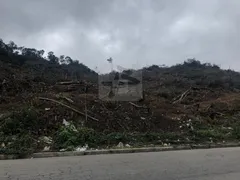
[214,164]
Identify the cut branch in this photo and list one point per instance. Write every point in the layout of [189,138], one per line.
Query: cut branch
[137,106]
[183,95]
[69,83]
[68,99]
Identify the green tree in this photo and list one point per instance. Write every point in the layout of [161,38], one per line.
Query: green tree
[52,58]
[40,53]
[12,45]
[68,60]
[62,59]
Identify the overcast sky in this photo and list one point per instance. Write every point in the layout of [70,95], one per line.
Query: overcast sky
[134,33]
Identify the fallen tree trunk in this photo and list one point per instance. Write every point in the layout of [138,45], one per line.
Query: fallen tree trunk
[70,83]
[69,107]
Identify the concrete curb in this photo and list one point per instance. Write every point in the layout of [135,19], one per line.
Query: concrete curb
[98,152]
[122,151]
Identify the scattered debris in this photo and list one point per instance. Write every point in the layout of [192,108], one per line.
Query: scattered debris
[82,149]
[65,122]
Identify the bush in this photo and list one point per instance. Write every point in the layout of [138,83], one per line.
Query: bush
[22,121]
[17,133]
[236,132]
[70,137]
[20,145]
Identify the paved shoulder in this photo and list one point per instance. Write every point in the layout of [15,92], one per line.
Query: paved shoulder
[191,164]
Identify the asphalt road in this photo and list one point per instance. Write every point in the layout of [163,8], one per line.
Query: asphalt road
[214,164]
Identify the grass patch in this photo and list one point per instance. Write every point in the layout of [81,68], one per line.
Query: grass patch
[69,137]
[214,134]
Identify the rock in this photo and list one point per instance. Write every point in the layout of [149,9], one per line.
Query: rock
[127,118]
[14,138]
[165,144]
[46,148]
[127,146]
[143,118]
[120,145]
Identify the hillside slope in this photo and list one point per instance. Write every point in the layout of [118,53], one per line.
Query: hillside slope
[186,103]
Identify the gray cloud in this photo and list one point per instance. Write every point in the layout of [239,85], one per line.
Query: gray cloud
[135,33]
